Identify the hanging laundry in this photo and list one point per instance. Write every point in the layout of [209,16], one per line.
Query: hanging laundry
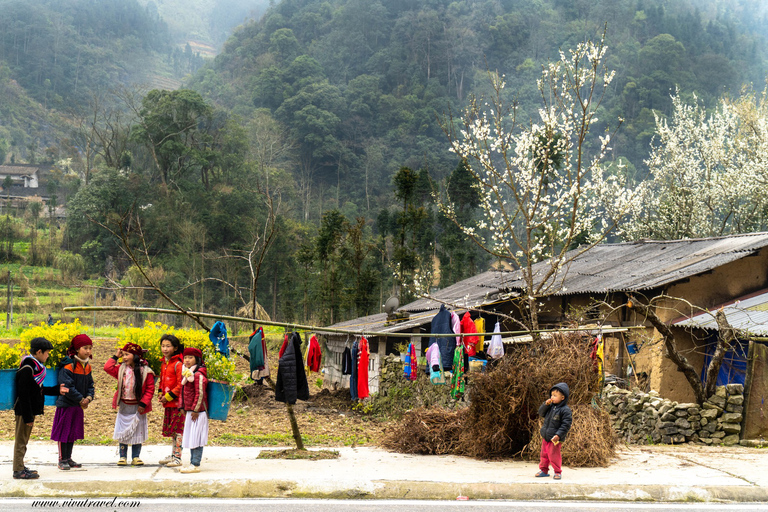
[283,347]
[414,362]
[435,364]
[257,351]
[218,336]
[346,362]
[496,347]
[468,327]
[480,326]
[353,376]
[362,370]
[291,382]
[441,324]
[314,354]
[407,363]
[457,379]
[456,327]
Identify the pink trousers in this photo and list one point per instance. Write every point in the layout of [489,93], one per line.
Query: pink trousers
[550,454]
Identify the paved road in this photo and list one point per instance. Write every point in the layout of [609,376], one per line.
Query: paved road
[283,505]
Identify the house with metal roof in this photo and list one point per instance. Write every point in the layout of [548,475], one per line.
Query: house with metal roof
[594,286]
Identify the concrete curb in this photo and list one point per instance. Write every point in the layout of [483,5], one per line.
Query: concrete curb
[387,489]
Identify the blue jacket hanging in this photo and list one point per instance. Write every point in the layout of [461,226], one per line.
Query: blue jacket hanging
[353,375]
[218,337]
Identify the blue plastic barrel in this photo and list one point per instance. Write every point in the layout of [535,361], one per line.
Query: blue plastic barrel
[51,379]
[7,389]
[219,399]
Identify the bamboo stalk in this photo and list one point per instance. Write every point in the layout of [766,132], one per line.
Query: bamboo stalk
[319,329]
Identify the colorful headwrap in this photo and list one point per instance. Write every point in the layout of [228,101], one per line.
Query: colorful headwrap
[81,340]
[192,351]
[137,351]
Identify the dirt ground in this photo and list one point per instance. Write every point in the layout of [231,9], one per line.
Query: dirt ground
[255,418]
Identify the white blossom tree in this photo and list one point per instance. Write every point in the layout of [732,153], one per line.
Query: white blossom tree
[542,181]
[708,172]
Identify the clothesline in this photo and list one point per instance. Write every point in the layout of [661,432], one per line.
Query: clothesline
[314,328]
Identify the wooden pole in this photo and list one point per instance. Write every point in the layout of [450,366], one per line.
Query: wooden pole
[293,326]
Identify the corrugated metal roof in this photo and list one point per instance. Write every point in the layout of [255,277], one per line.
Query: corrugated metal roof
[628,266]
[749,314]
[647,264]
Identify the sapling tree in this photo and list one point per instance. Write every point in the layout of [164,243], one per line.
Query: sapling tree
[542,184]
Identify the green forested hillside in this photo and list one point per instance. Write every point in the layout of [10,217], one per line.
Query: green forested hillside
[352,79]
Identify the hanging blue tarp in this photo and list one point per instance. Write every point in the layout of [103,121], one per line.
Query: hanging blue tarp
[734,367]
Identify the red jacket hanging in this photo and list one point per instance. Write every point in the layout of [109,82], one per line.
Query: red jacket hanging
[282,348]
[362,370]
[468,326]
[314,355]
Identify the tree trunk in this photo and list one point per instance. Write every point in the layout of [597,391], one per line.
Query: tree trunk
[725,339]
[691,375]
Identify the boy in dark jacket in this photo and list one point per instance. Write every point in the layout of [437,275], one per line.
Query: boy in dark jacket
[557,422]
[29,401]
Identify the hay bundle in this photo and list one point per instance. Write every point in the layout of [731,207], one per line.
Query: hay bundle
[591,441]
[502,417]
[426,431]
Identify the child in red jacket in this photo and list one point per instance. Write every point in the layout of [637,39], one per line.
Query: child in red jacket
[133,400]
[169,392]
[194,402]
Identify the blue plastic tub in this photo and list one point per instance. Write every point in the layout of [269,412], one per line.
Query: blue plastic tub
[7,389]
[219,399]
[632,348]
[51,379]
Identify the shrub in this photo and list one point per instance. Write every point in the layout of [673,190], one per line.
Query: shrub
[9,357]
[59,334]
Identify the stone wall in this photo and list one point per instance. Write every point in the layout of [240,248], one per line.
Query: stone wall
[644,418]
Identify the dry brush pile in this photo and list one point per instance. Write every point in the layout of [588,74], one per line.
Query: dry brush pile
[502,417]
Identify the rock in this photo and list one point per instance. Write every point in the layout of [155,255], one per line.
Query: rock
[694,417]
[731,417]
[678,439]
[720,391]
[684,406]
[735,389]
[703,434]
[668,417]
[687,432]
[695,425]
[664,409]
[708,413]
[731,440]
[734,408]
[681,413]
[666,439]
[718,401]
[704,422]
[718,435]
[682,423]
[731,428]
[736,399]
[705,440]
[711,427]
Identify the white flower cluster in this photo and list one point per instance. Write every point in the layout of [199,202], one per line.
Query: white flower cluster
[708,172]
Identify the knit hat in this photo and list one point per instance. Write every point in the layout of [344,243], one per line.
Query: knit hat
[192,351]
[81,340]
[39,344]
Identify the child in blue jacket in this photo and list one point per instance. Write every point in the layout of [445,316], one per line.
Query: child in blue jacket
[557,422]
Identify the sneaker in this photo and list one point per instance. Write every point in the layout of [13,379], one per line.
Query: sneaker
[63,465]
[166,460]
[190,469]
[122,462]
[24,474]
[175,463]
[74,464]
[137,462]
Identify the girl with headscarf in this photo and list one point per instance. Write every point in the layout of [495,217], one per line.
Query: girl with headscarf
[69,419]
[133,400]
